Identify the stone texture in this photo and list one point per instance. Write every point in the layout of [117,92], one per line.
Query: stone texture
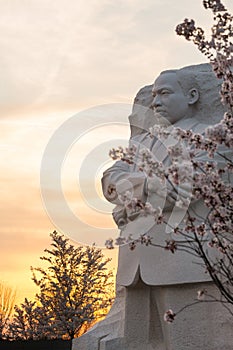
[149,280]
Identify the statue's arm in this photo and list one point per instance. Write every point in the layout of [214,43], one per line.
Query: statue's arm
[119,179]
[161,193]
[168,193]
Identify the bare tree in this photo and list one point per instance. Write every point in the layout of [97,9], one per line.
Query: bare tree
[7,302]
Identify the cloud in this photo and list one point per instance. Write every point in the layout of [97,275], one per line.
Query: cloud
[57,55]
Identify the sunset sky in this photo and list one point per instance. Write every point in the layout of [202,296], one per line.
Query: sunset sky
[82,58]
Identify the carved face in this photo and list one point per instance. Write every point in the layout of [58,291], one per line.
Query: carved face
[169,98]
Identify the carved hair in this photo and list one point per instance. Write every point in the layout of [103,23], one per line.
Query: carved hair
[187,80]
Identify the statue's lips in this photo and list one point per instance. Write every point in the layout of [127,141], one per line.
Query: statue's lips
[159,110]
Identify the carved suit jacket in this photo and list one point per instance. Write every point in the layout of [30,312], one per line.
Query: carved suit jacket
[153,265]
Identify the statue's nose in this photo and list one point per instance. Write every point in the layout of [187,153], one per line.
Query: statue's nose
[156,102]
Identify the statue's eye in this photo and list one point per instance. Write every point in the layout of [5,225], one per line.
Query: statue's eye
[165,92]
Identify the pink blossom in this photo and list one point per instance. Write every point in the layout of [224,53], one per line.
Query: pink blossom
[169,316]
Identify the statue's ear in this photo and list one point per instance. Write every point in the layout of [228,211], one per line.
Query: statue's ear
[193,96]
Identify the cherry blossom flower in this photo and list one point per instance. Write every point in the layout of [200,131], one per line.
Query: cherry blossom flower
[201,294]
[109,243]
[171,245]
[169,316]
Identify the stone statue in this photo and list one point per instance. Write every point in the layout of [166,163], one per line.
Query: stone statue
[149,279]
